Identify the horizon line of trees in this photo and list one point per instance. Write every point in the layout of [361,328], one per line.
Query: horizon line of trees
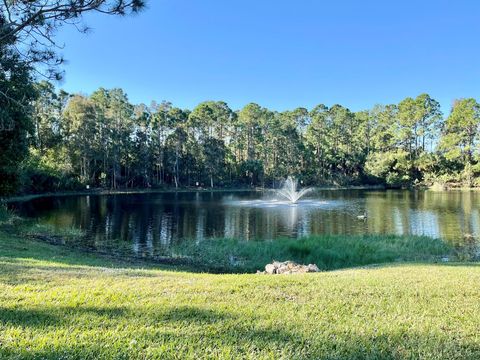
[51,140]
[102,140]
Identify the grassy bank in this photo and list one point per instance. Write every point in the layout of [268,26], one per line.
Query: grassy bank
[55,303]
[328,252]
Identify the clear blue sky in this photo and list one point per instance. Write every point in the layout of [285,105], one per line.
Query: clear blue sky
[281,54]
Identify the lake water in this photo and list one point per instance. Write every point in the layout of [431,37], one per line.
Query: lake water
[147,223]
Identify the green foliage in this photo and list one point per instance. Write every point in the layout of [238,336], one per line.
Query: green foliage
[337,140]
[102,140]
[28,48]
[327,252]
[461,132]
[252,171]
[50,171]
[16,93]
[391,166]
[402,135]
[4,213]
[459,142]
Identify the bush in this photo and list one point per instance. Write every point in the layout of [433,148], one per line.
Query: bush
[47,173]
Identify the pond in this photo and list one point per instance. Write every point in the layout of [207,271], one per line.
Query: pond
[146,224]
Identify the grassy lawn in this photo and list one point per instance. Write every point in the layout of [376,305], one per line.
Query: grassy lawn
[57,304]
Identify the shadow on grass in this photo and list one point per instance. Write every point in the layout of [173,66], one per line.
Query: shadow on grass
[53,316]
[18,248]
[194,332]
[64,316]
[190,314]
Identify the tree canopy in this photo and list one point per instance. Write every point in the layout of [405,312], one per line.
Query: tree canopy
[28,51]
[103,140]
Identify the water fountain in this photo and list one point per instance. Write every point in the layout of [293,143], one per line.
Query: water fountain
[289,190]
[287,198]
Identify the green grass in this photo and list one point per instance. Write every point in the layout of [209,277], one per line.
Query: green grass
[59,304]
[6,216]
[327,252]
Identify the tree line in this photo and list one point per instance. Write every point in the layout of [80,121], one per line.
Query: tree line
[51,140]
[28,52]
[103,140]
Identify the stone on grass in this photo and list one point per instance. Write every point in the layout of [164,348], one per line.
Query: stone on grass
[270,269]
[288,267]
[313,268]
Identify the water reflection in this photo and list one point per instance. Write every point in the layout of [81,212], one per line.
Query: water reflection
[148,223]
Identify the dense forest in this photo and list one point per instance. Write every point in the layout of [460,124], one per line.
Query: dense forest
[102,140]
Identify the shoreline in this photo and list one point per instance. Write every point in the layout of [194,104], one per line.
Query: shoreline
[100,192]
[27,197]
[328,252]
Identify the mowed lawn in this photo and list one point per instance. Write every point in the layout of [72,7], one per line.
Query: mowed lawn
[56,304]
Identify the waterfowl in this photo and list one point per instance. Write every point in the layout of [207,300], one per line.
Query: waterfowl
[362,217]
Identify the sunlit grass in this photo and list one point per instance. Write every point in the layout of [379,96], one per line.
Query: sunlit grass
[58,304]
